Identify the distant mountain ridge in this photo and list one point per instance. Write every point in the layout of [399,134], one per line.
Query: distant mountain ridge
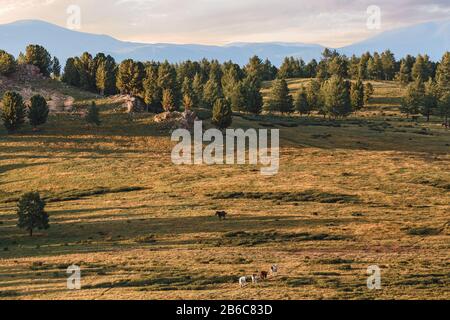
[432,38]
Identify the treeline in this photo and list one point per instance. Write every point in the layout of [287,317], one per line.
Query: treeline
[337,88]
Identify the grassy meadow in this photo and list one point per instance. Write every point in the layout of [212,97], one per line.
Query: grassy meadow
[372,189]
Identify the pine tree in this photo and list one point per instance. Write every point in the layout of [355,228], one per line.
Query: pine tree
[404,75]
[357,95]
[388,63]
[237,97]
[130,77]
[413,99]
[38,111]
[31,212]
[211,93]
[444,106]
[152,92]
[93,116]
[106,76]
[39,57]
[71,75]
[312,94]
[255,68]
[301,102]
[188,92]
[443,75]
[87,72]
[222,114]
[421,68]
[430,101]
[253,97]
[336,97]
[168,101]
[279,99]
[188,104]
[368,93]
[197,87]
[8,64]
[56,68]
[338,66]
[13,111]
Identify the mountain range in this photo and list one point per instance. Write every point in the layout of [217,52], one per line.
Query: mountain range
[432,38]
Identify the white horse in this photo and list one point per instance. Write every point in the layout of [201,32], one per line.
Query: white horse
[243,282]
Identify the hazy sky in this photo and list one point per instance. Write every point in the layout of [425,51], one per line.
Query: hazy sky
[328,22]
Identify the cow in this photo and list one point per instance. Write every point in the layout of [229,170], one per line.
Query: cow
[274,270]
[243,282]
[221,215]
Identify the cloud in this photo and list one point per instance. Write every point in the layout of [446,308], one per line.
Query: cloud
[332,22]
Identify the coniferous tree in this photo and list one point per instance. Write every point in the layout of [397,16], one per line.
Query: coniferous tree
[311,69]
[301,102]
[38,111]
[279,99]
[404,75]
[444,106]
[368,92]
[56,68]
[168,101]
[197,87]
[87,72]
[8,64]
[443,75]
[357,95]
[413,99]
[93,115]
[253,97]
[255,68]
[106,76]
[421,68]
[313,94]
[430,101]
[388,63]
[71,75]
[211,93]
[39,57]
[31,212]
[130,77]
[13,111]
[222,114]
[152,92]
[237,97]
[336,97]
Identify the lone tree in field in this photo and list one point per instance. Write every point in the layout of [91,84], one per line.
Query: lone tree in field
[39,57]
[357,95]
[280,100]
[222,114]
[32,215]
[7,63]
[13,111]
[38,111]
[93,116]
[301,102]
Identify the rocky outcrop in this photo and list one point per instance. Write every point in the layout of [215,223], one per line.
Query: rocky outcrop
[177,120]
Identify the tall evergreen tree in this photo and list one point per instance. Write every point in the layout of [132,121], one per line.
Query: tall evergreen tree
[106,76]
[336,97]
[421,68]
[31,212]
[93,115]
[13,111]
[368,93]
[443,75]
[168,101]
[39,57]
[388,63]
[404,75]
[313,94]
[130,77]
[444,106]
[430,101]
[279,99]
[357,95]
[56,68]
[71,75]
[413,99]
[212,92]
[301,102]
[152,92]
[222,114]
[8,64]
[253,97]
[38,111]
[197,87]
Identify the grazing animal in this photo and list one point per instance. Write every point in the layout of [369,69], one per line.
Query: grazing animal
[263,275]
[274,270]
[446,125]
[243,282]
[255,279]
[221,215]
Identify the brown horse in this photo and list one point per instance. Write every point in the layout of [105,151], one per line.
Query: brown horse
[221,215]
